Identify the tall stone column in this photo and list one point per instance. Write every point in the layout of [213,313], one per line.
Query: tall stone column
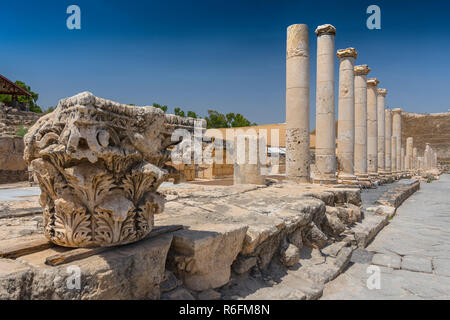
[388,141]
[298,157]
[393,154]
[409,147]
[372,127]
[435,160]
[382,152]
[325,104]
[397,132]
[346,115]
[414,159]
[402,159]
[361,121]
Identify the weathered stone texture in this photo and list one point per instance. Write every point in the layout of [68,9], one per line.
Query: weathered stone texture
[428,128]
[99,164]
[12,165]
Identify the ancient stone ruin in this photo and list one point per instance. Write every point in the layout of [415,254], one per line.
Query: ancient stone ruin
[99,165]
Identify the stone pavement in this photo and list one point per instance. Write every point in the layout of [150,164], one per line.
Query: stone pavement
[412,252]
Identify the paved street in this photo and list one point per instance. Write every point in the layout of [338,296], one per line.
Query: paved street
[412,252]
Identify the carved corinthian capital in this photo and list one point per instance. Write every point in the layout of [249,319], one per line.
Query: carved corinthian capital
[361,70]
[99,165]
[349,52]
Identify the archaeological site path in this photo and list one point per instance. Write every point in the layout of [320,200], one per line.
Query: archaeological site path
[413,252]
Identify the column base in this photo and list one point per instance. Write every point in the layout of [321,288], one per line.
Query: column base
[374,175]
[325,181]
[362,177]
[345,178]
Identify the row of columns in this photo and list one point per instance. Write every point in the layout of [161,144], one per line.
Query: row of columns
[369,135]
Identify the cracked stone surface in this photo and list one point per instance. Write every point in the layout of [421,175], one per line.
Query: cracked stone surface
[417,241]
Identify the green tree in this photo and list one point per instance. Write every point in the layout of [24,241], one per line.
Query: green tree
[179,112]
[163,108]
[192,114]
[238,120]
[230,120]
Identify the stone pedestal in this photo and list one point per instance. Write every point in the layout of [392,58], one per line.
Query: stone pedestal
[99,164]
[372,128]
[361,121]
[397,132]
[388,142]
[382,123]
[325,104]
[297,104]
[346,115]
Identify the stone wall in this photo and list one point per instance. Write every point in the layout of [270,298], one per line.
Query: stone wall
[428,128]
[11,119]
[12,165]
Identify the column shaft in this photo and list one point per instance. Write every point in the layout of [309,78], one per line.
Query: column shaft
[298,156]
[361,121]
[381,105]
[388,141]
[325,105]
[397,132]
[346,114]
[372,127]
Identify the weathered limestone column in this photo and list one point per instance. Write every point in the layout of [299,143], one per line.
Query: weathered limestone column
[409,147]
[435,162]
[393,154]
[414,159]
[346,115]
[402,160]
[297,103]
[325,104]
[397,132]
[388,141]
[361,121]
[247,166]
[372,127]
[382,152]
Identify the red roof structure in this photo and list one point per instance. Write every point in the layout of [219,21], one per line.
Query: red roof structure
[9,87]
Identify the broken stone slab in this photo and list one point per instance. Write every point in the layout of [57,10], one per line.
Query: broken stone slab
[290,255]
[133,271]
[325,272]
[334,248]
[395,197]
[203,254]
[15,280]
[387,260]
[243,264]
[365,231]
[170,282]
[416,263]
[99,164]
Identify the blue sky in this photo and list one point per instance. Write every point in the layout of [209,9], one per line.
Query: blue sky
[222,55]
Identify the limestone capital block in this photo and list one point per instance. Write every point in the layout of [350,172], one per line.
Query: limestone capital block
[372,82]
[349,52]
[361,70]
[382,92]
[325,29]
